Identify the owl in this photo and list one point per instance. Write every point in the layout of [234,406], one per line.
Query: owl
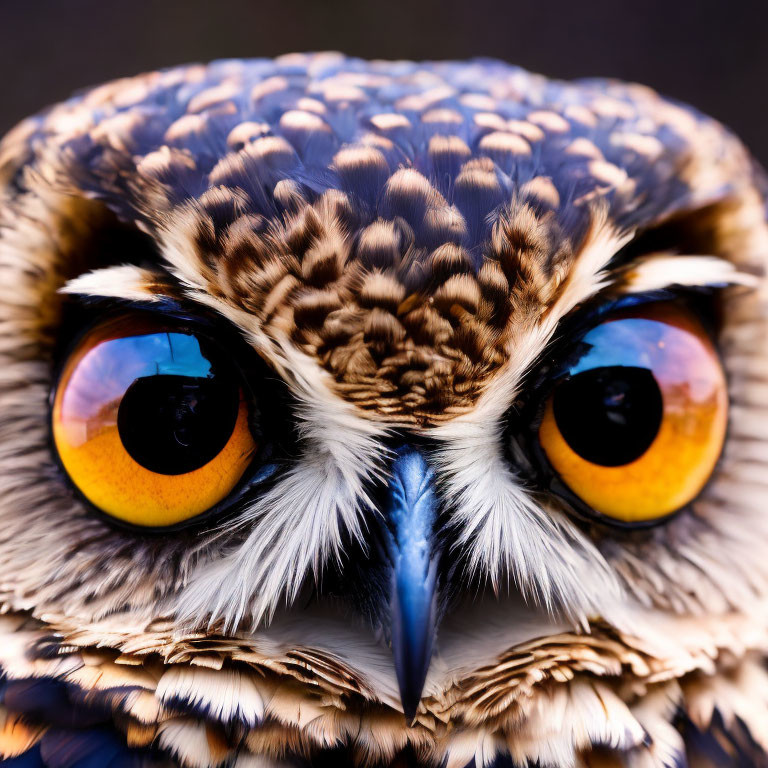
[370,414]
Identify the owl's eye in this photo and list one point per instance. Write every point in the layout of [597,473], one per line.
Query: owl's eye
[151,421]
[636,424]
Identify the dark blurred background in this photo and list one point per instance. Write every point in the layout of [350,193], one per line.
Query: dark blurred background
[711,53]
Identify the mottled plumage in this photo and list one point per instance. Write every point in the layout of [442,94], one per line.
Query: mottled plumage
[402,244]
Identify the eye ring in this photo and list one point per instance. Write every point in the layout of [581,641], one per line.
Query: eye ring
[254,388]
[667,468]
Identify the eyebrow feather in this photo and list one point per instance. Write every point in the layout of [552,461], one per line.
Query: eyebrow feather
[656,271]
[125,281]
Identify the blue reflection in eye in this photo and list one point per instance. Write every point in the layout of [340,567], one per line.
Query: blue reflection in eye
[629,342]
[110,368]
[172,354]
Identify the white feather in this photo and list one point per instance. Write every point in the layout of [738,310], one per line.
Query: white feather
[123,282]
[662,270]
[223,695]
[187,741]
[508,533]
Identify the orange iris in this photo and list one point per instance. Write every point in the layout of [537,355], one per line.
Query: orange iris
[636,427]
[150,422]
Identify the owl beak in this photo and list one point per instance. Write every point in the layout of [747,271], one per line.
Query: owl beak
[411,511]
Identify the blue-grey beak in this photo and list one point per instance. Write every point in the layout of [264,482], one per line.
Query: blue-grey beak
[410,512]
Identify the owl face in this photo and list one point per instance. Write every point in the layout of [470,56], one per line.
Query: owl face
[378,412]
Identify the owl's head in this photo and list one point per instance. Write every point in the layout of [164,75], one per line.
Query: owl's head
[374,412]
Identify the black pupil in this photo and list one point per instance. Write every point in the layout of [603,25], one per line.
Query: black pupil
[609,416]
[174,424]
